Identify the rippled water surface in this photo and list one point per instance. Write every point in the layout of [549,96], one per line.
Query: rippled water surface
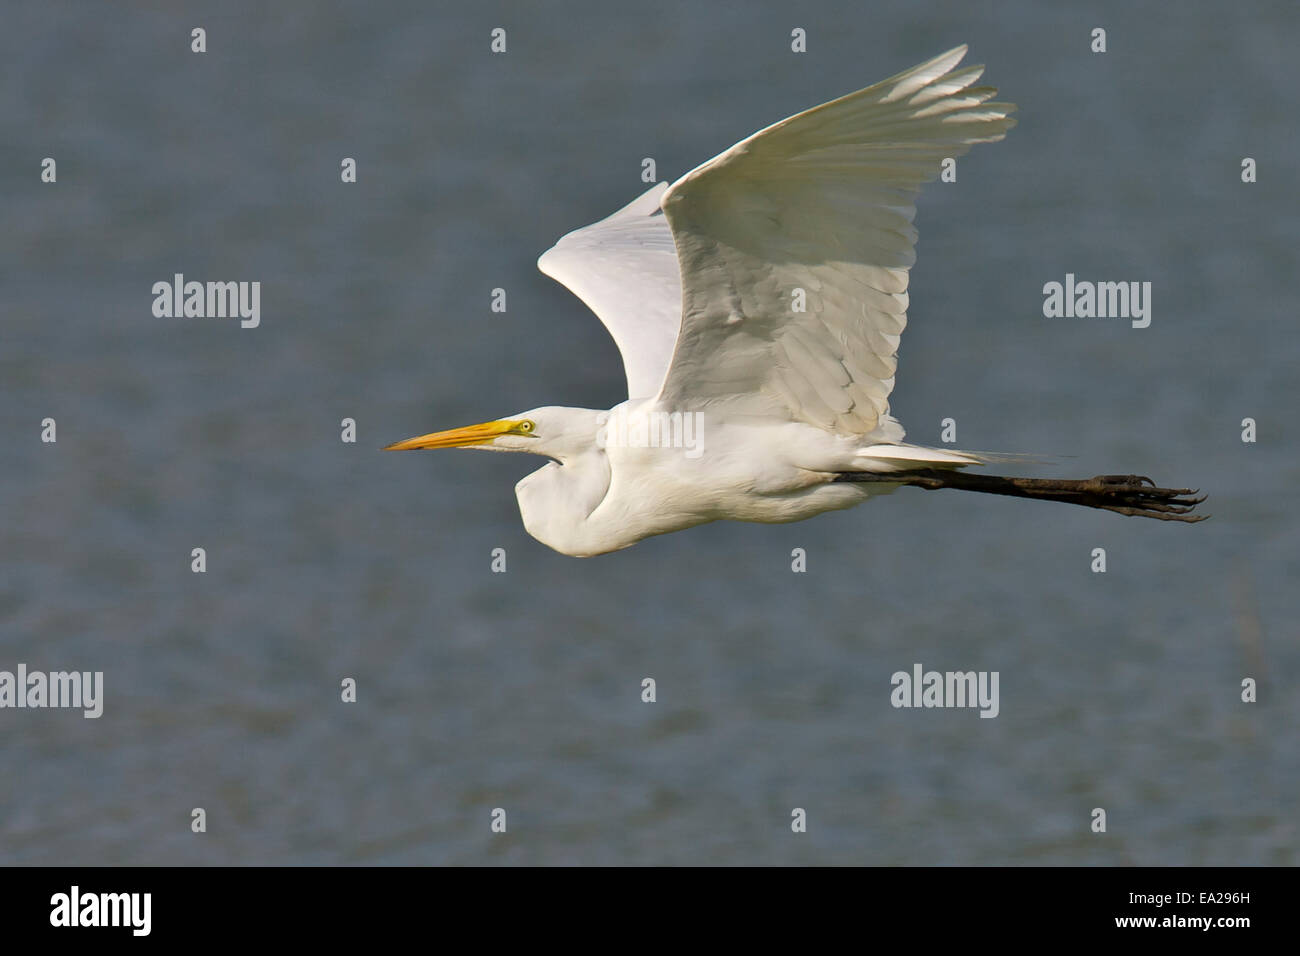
[523,690]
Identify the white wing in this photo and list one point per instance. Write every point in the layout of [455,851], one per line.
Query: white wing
[625,269]
[821,202]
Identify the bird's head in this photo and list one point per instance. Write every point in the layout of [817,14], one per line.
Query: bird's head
[552,431]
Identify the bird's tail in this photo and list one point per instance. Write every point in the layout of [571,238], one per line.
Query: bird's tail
[897,456]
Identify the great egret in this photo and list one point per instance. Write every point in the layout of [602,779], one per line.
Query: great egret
[757,303]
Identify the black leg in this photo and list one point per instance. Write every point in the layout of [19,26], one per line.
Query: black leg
[1125,494]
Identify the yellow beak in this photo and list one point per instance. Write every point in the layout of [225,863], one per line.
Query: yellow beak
[457,437]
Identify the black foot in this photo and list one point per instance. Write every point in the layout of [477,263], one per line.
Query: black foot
[1138,495]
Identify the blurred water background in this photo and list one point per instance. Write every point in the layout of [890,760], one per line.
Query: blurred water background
[522,690]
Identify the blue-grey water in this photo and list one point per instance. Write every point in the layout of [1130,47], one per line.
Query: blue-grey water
[522,691]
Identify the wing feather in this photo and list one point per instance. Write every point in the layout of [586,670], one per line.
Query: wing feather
[625,269]
[821,202]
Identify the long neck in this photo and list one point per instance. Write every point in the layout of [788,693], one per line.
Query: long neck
[556,500]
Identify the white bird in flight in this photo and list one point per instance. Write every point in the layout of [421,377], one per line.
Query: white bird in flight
[757,303]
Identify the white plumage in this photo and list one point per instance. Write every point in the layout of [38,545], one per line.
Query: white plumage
[821,202]
[757,303]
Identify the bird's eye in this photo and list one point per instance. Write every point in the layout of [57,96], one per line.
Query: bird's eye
[526,427]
